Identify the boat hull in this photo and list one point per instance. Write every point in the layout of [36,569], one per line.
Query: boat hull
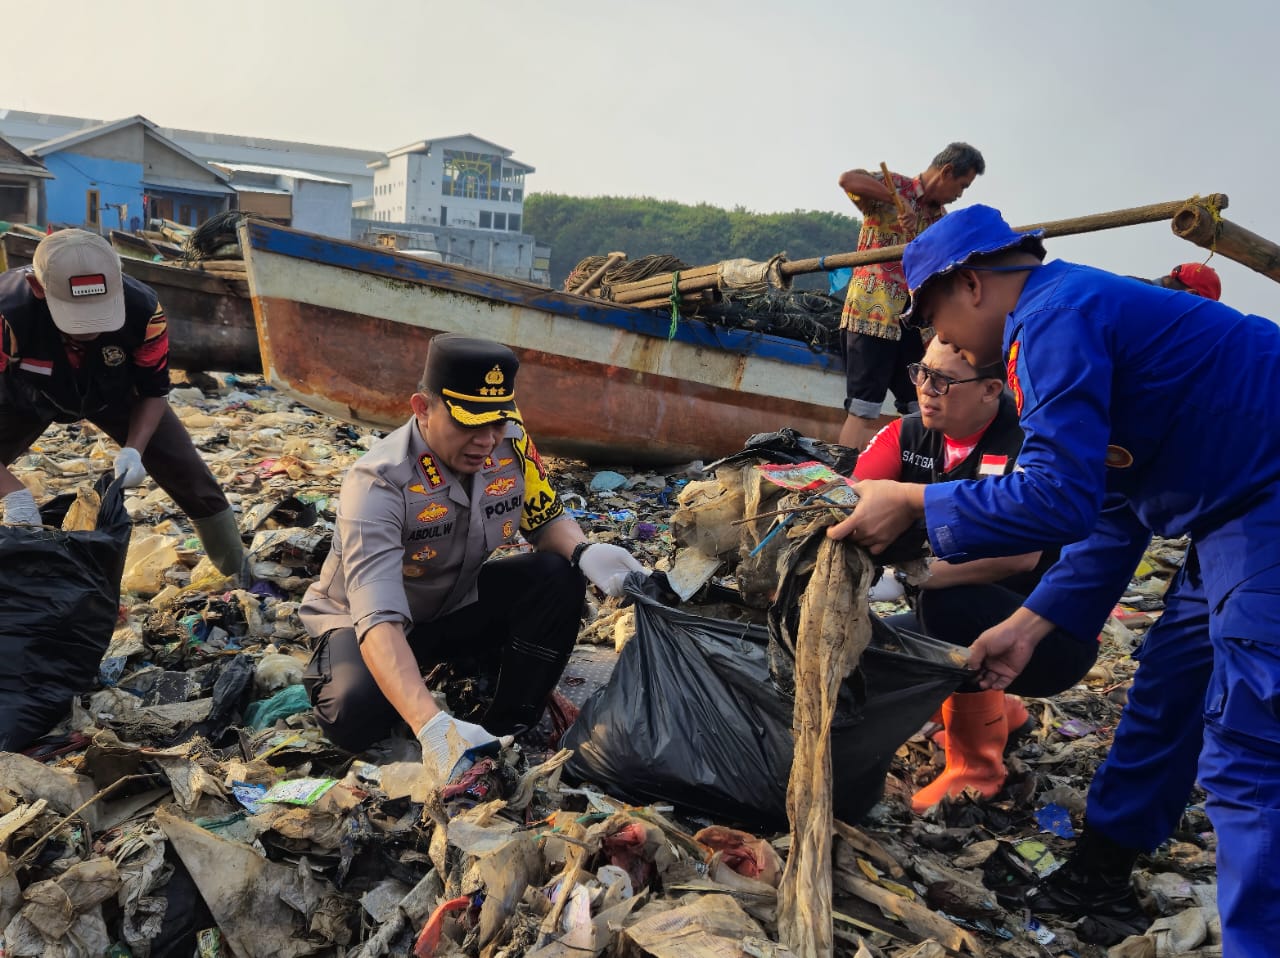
[211,324]
[344,329]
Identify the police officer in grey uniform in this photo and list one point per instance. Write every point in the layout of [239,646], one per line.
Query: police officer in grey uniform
[407,584]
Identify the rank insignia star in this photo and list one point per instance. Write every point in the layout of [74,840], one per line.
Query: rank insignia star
[431,471]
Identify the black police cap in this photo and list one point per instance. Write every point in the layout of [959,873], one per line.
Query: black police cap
[476,378]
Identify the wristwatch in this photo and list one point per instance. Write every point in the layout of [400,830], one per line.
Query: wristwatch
[576,558]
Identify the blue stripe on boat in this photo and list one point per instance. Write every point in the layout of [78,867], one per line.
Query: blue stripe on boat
[367,259]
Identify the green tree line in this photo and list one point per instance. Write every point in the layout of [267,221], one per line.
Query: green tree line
[576,227]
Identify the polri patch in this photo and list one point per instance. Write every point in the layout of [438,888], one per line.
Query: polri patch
[508,528]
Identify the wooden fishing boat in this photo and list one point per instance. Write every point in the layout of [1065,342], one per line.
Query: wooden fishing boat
[133,246]
[210,317]
[343,328]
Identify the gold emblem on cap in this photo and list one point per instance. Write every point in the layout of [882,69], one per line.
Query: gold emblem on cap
[495,379]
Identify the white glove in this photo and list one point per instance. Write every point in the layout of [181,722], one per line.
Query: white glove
[20,509]
[607,566]
[445,742]
[129,467]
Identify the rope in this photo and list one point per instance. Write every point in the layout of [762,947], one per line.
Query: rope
[628,271]
[675,304]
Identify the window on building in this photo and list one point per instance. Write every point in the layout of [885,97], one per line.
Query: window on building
[513,222]
[499,221]
[517,195]
[506,194]
[486,219]
[92,201]
[444,216]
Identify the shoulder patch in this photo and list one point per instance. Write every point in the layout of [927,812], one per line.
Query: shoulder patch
[1011,368]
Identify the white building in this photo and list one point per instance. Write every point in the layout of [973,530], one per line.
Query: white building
[467,192]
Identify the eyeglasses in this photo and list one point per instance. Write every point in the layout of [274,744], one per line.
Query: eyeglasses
[938,382]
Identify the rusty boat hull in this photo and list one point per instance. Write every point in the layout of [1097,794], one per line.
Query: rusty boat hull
[211,325]
[343,328]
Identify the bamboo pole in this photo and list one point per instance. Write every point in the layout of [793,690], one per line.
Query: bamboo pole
[654,285]
[1198,225]
[1133,216]
[644,292]
[893,191]
[590,282]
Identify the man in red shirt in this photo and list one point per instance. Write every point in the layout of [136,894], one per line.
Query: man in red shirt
[967,428]
[876,347]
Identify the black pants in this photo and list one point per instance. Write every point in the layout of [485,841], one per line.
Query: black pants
[171,459]
[962,613]
[532,602]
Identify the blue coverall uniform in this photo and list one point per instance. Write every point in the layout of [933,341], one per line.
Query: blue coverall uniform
[1149,410]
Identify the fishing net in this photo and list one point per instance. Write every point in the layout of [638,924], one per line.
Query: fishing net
[806,316]
[216,237]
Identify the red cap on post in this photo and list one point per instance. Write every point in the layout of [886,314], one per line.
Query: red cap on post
[1199,279]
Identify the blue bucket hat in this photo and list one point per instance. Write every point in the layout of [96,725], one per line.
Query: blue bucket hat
[954,240]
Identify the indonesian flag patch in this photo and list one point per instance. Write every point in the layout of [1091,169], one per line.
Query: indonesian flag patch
[91,284]
[39,366]
[993,465]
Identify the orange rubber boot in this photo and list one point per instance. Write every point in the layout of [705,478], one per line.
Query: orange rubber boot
[976,733]
[1015,713]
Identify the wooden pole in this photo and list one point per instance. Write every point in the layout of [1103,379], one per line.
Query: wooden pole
[590,282]
[1199,226]
[1155,213]
[893,191]
[707,277]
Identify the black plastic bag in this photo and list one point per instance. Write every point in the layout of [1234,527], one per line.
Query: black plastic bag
[691,715]
[59,597]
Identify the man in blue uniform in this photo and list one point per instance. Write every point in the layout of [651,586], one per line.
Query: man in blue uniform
[1145,410]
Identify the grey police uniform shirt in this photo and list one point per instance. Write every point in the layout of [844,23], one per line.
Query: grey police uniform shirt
[411,536]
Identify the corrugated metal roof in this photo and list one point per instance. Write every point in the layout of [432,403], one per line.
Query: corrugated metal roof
[276,171]
[187,186]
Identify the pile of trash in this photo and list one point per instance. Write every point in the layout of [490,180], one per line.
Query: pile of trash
[189,804]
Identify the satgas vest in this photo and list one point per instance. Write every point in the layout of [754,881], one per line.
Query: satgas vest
[923,453]
[411,536]
[38,379]
[996,454]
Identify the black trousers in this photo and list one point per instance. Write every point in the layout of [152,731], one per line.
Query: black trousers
[962,613]
[171,459]
[534,599]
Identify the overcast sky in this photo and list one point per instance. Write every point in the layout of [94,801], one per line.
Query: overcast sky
[1078,107]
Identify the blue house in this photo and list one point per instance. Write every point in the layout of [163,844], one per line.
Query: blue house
[119,175]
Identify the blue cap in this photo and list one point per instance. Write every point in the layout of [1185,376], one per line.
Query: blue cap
[953,241]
